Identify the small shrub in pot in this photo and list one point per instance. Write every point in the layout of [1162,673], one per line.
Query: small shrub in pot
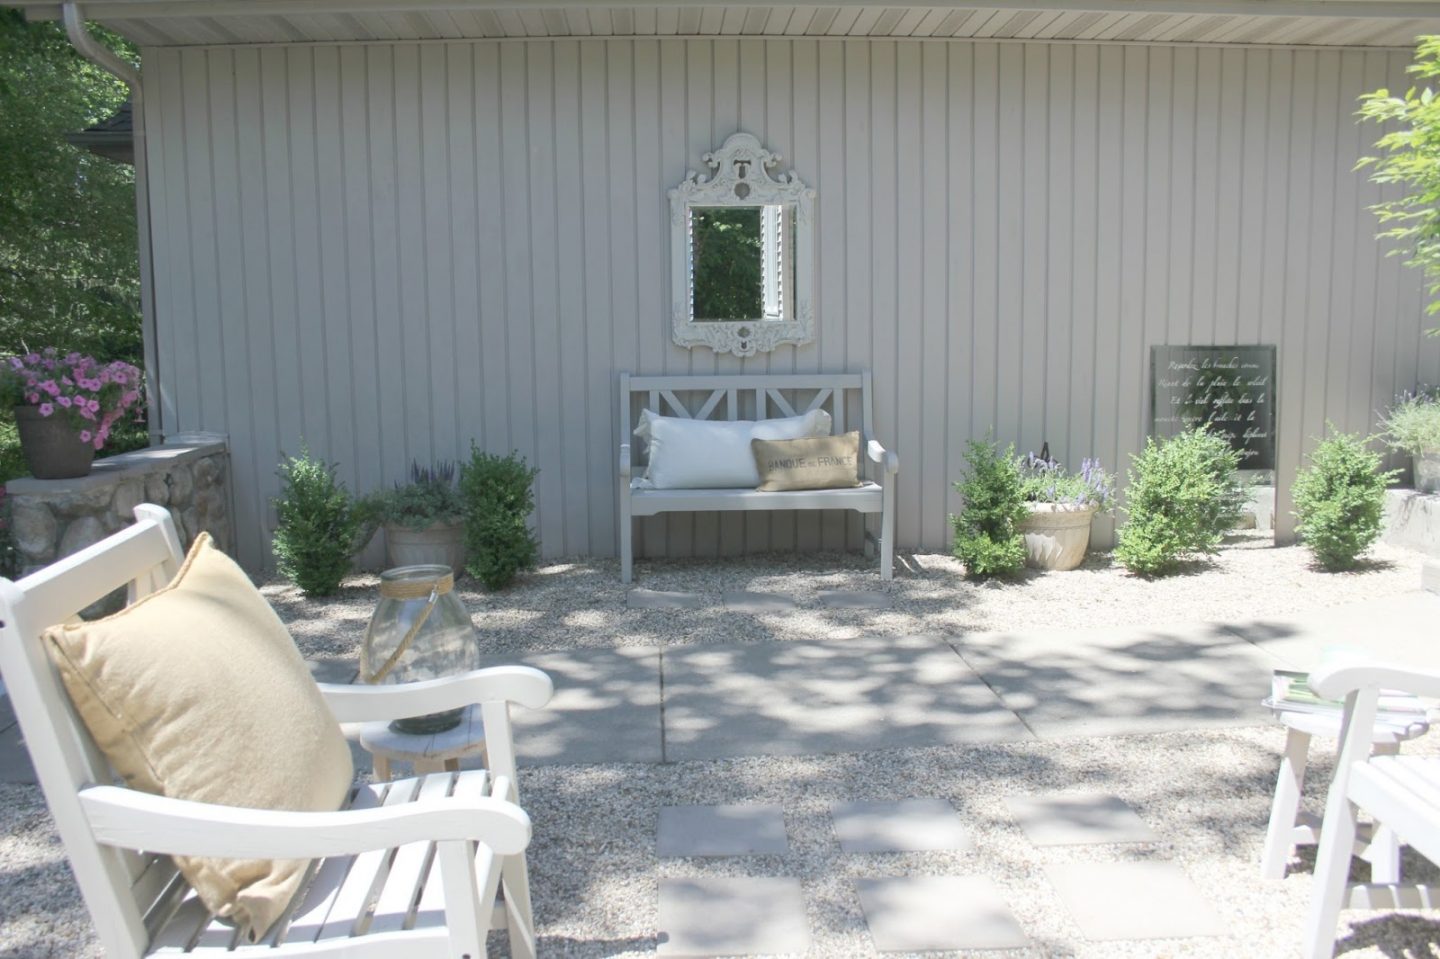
[319,528]
[497,493]
[1340,499]
[1412,425]
[1061,505]
[1183,497]
[987,534]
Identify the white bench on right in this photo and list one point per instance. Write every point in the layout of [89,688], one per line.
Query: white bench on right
[758,396]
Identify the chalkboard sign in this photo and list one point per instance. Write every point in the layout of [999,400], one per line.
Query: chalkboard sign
[1230,387]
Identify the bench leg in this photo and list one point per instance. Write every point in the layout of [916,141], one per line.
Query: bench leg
[1285,806]
[627,541]
[887,534]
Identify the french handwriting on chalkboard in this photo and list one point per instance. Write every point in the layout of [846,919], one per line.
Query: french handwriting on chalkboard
[1230,387]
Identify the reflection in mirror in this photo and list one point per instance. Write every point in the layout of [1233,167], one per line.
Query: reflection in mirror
[743,262]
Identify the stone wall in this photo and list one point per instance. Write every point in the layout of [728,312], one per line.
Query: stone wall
[54,518]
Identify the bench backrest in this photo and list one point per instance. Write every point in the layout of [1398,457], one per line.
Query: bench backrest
[845,396]
[119,886]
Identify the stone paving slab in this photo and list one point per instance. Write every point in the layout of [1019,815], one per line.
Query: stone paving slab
[746,829]
[909,825]
[606,707]
[660,599]
[728,917]
[1078,818]
[15,766]
[842,695]
[855,599]
[932,913]
[1118,682]
[1133,900]
[1398,629]
[744,601]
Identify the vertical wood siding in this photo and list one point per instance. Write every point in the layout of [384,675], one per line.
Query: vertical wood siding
[386,251]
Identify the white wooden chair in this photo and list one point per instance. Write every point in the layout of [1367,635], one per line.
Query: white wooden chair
[410,868]
[1401,794]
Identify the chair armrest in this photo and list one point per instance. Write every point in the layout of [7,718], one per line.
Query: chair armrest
[879,454]
[625,461]
[508,684]
[131,819]
[1336,680]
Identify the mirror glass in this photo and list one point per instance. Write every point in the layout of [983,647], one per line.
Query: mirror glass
[743,263]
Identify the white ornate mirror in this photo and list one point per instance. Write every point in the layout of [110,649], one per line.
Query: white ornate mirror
[742,253]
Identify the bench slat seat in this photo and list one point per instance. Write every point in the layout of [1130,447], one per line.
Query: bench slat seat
[721,398]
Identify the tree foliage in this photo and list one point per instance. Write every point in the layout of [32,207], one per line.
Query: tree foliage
[69,275]
[1411,160]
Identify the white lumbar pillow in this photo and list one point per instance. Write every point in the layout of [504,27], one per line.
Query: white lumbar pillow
[715,454]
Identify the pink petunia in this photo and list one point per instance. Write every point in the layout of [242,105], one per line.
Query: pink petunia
[32,398]
[86,414]
[63,401]
[86,436]
[46,409]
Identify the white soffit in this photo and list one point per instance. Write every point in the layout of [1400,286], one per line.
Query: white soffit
[1378,23]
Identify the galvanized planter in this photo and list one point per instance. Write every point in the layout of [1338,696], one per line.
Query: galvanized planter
[439,544]
[52,447]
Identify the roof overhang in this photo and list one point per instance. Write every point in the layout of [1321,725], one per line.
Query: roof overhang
[1375,23]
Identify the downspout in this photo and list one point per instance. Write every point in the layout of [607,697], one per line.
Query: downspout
[111,62]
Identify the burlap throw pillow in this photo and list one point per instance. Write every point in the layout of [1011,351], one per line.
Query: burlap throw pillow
[198,692]
[819,462]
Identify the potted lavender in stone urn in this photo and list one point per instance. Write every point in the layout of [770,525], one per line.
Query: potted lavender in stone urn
[1061,505]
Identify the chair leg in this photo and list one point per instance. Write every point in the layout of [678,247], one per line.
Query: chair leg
[1285,806]
[1332,874]
[515,879]
[1384,850]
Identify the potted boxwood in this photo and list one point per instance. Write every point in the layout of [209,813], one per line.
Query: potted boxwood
[66,406]
[1061,505]
[1413,426]
[423,519]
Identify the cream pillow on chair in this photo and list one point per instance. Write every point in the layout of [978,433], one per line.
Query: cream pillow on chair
[198,692]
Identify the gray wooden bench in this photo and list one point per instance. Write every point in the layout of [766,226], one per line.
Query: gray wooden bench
[756,397]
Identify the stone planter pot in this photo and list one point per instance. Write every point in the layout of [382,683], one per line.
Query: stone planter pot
[1427,471]
[52,447]
[439,544]
[1056,535]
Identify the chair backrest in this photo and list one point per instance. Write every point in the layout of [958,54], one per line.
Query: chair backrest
[119,886]
[845,396]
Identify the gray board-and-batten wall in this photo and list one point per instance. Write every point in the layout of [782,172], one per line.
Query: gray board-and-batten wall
[384,250]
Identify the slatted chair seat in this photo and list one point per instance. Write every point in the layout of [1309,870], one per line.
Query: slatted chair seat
[411,869]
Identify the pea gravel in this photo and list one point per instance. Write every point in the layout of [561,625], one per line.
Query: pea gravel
[594,870]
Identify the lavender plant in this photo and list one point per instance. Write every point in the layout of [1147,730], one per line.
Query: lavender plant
[1044,479]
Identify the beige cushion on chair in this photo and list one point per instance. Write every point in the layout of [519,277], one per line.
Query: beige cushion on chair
[822,462]
[198,692]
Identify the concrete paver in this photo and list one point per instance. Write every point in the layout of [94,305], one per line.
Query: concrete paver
[1133,900]
[932,913]
[743,829]
[1078,818]
[728,917]
[909,825]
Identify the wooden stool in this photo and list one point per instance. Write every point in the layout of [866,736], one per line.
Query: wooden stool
[1290,828]
[433,753]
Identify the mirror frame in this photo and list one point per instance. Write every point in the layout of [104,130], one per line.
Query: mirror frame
[717,188]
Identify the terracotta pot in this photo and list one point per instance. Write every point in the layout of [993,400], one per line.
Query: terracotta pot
[52,447]
[1056,535]
[1427,471]
[439,544]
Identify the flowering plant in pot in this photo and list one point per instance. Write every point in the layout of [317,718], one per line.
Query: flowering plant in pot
[423,519]
[1412,425]
[1061,505]
[66,406]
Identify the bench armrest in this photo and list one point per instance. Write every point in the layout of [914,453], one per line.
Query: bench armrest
[1336,680]
[499,684]
[625,461]
[879,454]
[131,819]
